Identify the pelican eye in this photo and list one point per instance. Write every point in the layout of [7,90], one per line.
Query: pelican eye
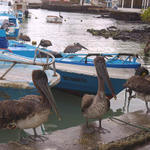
[143,74]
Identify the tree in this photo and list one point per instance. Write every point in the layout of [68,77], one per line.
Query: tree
[145,16]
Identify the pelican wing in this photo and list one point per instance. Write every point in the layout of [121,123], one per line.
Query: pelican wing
[13,110]
[138,84]
[70,49]
[87,100]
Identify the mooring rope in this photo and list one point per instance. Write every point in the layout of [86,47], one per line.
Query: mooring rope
[130,124]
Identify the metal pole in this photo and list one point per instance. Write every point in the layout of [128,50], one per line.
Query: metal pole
[54,68]
[122,3]
[132,3]
[2,77]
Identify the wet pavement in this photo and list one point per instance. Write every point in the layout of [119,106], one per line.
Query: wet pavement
[115,134]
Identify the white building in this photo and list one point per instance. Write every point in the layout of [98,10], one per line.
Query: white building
[112,3]
[34,1]
[137,4]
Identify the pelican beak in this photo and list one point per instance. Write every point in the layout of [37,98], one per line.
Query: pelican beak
[81,46]
[103,73]
[47,92]
[84,47]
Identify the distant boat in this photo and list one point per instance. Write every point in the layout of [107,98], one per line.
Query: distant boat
[54,19]
[21,10]
[9,22]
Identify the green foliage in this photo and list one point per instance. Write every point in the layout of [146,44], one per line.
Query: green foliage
[145,16]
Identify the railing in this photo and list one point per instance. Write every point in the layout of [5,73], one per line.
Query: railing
[129,56]
[46,65]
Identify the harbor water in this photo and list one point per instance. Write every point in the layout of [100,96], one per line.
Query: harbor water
[73,29]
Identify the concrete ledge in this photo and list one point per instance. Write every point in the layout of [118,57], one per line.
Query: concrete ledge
[117,136]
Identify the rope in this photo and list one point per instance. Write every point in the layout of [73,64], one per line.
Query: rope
[133,125]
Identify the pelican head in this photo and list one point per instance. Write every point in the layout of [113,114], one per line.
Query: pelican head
[102,73]
[40,81]
[79,45]
[141,71]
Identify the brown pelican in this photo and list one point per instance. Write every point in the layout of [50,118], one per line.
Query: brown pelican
[45,43]
[74,48]
[95,106]
[140,84]
[24,38]
[147,48]
[30,111]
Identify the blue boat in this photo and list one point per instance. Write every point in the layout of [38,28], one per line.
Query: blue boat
[77,71]
[9,22]
[16,70]
[21,10]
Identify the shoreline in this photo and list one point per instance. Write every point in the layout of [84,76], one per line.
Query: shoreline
[67,7]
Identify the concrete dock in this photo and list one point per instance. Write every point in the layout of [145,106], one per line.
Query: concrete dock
[131,131]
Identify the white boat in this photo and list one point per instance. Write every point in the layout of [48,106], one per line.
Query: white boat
[20,8]
[54,19]
[9,22]
[16,74]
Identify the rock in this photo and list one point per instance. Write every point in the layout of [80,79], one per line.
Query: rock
[137,35]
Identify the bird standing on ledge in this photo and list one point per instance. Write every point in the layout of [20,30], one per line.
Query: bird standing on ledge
[95,106]
[30,111]
[140,84]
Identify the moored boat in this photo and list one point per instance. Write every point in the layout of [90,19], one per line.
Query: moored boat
[20,8]
[16,70]
[77,70]
[79,75]
[54,19]
[9,22]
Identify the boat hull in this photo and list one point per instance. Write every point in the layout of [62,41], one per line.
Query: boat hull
[16,81]
[14,34]
[15,93]
[81,83]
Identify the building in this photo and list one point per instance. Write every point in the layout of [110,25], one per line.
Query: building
[138,4]
[111,3]
[51,1]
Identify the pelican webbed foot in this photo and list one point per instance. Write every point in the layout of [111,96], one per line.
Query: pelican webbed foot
[32,139]
[101,130]
[37,137]
[26,140]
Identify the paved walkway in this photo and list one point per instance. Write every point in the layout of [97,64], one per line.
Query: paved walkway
[116,134]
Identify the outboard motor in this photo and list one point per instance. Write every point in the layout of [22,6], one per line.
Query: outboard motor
[3,39]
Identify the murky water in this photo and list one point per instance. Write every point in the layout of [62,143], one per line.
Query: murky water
[73,29]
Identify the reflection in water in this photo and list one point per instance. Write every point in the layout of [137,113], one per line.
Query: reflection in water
[4,95]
